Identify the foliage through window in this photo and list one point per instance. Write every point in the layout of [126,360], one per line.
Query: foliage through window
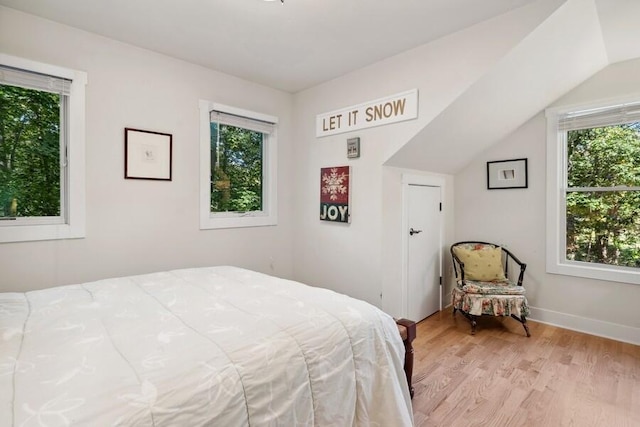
[42,173]
[603,195]
[593,183]
[30,173]
[236,168]
[238,153]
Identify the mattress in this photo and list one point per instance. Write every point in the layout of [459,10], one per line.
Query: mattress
[218,346]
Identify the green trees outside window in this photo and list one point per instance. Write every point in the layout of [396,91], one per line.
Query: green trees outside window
[236,169]
[29,152]
[603,195]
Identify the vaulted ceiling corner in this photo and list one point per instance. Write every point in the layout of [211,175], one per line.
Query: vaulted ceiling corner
[564,50]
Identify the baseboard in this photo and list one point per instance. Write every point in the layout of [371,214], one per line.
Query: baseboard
[599,328]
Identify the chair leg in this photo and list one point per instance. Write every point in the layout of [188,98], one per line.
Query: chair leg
[523,320]
[472,320]
[526,330]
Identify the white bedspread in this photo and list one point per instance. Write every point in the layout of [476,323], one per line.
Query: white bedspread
[218,346]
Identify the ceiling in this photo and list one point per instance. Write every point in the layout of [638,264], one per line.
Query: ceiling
[289,46]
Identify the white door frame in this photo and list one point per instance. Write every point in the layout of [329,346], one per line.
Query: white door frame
[426,180]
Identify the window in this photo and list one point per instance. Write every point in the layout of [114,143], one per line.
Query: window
[593,218]
[41,151]
[238,151]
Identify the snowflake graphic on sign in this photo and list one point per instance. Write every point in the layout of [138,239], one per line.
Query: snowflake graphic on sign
[334,194]
[333,183]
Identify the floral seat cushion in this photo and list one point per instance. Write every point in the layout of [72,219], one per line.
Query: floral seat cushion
[493,305]
[504,287]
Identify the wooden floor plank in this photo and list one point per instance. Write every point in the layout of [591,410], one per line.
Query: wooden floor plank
[500,377]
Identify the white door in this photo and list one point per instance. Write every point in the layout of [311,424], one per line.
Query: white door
[424,247]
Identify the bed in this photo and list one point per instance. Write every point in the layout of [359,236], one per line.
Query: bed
[217,346]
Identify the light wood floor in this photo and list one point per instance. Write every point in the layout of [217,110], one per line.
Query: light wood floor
[499,377]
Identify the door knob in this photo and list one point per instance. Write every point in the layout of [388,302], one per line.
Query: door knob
[412,231]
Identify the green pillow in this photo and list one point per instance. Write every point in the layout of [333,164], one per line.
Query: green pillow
[482,263]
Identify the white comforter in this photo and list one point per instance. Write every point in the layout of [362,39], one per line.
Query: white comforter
[218,346]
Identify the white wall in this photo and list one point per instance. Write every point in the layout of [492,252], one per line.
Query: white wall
[138,226]
[363,259]
[516,218]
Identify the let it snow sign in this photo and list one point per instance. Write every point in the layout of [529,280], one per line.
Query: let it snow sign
[334,194]
[383,111]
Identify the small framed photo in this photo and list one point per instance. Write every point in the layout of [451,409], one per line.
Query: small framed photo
[503,174]
[353,148]
[147,154]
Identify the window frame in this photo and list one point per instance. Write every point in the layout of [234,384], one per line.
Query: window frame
[556,235]
[71,223]
[216,220]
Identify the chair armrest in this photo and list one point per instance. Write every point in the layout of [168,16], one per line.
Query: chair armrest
[459,263]
[522,265]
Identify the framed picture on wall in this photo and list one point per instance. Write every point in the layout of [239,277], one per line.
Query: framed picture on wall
[503,174]
[147,154]
[335,183]
[353,148]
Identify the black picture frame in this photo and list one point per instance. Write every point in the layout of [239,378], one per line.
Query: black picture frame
[147,155]
[507,174]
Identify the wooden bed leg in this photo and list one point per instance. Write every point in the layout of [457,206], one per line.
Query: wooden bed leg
[407,330]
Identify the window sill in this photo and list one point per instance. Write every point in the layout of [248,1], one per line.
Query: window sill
[30,233]
[582,269]
[237,221]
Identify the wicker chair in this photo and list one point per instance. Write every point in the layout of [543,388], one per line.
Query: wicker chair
[483,283]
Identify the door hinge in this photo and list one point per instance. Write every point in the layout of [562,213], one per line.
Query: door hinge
[441,280]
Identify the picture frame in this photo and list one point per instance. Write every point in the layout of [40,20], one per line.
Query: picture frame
[335,194]
[505,174]
[353,148]
[147,155]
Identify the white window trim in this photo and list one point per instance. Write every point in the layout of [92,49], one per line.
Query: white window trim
[556,261]
[268,216]
[74,227]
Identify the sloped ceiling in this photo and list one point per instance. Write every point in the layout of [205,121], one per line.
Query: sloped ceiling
[290,46]
[577,40]
[620,29]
